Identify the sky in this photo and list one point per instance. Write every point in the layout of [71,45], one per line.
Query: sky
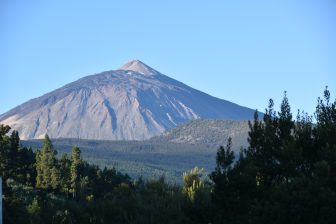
[242,51]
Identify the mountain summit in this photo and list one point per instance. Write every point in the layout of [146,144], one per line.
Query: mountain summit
[134,102]
[138,66]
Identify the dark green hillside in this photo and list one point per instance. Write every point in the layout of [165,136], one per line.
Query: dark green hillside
[209,132]
[149,159]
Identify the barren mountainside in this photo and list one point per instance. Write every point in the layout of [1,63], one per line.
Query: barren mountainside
[134,102]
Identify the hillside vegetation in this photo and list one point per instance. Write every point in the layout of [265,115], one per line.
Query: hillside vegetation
[146,159]
[209,132]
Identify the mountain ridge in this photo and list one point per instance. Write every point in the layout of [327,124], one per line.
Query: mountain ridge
[135,102]
[209,132]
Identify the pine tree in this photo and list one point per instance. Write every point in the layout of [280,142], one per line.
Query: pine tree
[26,164]
[55,178]
[65,164]
[15,161]
[39,172]
[47,177]
[4,150]
[13,155]
[220,177]
[288,156]
[286,124]
[324,135]
[74,170]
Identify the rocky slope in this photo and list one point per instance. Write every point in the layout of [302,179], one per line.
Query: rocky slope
[134,102]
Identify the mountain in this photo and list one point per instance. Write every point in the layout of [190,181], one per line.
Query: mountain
[134,102]
[209,132]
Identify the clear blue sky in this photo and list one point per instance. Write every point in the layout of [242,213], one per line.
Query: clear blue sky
[242,51]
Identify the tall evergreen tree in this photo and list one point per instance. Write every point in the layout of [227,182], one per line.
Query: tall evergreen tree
[13,155]
[4,150]
[324,135]
[220,177]
[287,156]
[74,171]
[15,162]
[46,166]
[27,166]
[55,177]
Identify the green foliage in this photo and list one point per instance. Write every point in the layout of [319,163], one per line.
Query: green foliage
[16,162]
[286,175]
[4,150]
[195,186]
[47,172]
[149,159]
[48,202]
[34,211]
[74,171]
[197,189]
[64,165]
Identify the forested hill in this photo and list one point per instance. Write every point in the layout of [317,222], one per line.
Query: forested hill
[147,159]
[210,132]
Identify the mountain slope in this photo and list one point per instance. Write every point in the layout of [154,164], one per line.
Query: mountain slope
[134,102]
[209,132]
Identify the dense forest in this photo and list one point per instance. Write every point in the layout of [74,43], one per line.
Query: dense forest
[147,159]
[287,174]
